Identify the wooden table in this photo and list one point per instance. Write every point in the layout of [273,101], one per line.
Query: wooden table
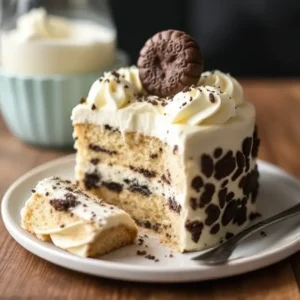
[23,275]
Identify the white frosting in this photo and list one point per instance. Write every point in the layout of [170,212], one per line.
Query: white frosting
[148,119]
[131,74]
[77,235]
[46,44]
[201,105]
[225,83]
[110,92]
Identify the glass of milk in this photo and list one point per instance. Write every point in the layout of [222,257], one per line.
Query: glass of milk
[50,56]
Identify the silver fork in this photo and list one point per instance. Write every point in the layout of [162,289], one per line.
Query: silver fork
[221,254]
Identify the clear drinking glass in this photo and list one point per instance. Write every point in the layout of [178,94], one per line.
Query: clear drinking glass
[43,78]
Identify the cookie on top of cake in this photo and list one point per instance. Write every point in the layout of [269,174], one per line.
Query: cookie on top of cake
[174,147]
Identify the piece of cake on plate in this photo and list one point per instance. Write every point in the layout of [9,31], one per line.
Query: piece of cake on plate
[76,221]
[174,147]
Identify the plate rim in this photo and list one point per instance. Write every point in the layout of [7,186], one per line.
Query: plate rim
[145,273]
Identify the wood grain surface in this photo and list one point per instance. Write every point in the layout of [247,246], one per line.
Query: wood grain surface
[25,276]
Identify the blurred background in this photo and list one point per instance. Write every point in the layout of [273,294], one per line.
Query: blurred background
[245,38]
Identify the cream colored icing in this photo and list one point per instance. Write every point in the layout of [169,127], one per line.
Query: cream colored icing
[225,83]
[201,105]
[110,93]
[131,74]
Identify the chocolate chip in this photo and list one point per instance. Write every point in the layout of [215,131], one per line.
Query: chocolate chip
[139,252]
[247,164]
[154,156]
[145,172]
[206,197]
[244,201]
[263,234]
[32,191]
[215,229]
[113,186]
[98,148]
[195,228]
[82,100]
[224,183]
[95,161]
[197,183]
[240,159]
[212,98]
[246,146]
[168,62]
[110,128]
[241,215]
[193,203]
[174,205]
[142,189]
[207,165]
[256,143]
[225,166]
[218,152]
[229,212]
[94,106]
[229,235]
[237,174]
[249,183]
[64,204]
[175,150]
[91,180]
[213,213]
[222,197]
[149,256]
[229,196]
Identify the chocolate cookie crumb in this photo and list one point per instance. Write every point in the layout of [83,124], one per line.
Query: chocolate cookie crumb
[138,252]
[263,234]
[149,256]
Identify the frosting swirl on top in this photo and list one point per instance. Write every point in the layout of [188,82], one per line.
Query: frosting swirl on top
[225,83]
[201,105]
[131,74]
[206,105]
[111,92]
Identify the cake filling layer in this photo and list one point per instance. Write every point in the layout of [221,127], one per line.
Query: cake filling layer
[117,178]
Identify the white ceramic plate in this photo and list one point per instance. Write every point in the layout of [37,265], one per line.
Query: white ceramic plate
[278,191]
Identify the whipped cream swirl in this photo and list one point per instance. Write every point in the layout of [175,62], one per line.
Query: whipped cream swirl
[201,105]
[225,83]
[111,92]
[131,74]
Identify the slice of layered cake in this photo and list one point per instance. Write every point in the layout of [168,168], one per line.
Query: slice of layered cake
[173,148]
[76,221]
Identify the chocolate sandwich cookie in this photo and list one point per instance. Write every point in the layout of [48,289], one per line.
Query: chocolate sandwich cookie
[168,62]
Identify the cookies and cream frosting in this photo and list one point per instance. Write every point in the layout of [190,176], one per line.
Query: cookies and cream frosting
[111,92]
[90,215]
[225,83]
[206,105]
[214,103]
